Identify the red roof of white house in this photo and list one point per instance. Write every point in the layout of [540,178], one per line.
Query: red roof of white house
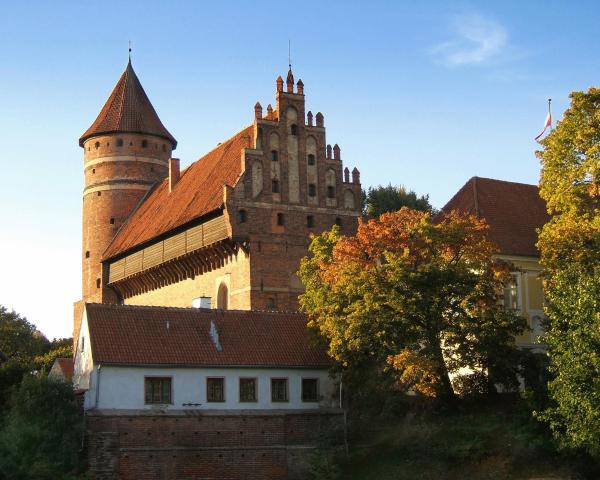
[138,335]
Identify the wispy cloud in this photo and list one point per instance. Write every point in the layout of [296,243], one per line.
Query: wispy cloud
[477,41]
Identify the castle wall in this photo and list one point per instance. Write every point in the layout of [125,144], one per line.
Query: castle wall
[193,445]
[235,274]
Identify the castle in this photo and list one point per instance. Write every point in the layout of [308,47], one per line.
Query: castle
[228,231]
[188,350]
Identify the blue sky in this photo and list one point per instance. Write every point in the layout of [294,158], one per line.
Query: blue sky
[420,94]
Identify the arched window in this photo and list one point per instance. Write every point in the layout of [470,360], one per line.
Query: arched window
[274,155]
[119,142]
[311,159]
[349,199]
[280,219]
[223,297]
[97,145]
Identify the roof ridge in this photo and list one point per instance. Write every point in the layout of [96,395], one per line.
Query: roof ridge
[193,309]
[505,181]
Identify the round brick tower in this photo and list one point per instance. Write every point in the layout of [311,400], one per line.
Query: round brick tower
[126,151]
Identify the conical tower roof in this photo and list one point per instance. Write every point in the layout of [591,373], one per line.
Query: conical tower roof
[128,110]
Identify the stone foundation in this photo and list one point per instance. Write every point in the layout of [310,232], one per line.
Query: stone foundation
[248,445]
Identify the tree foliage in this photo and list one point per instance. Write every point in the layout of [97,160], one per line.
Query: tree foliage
[379,200]
[570,253]
[19,338]
[415,294]
[42,436]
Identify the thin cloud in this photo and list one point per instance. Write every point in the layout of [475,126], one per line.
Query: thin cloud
[478,40]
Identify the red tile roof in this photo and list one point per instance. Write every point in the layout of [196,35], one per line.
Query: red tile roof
[513,211]
[66,367]
[128,110]
[135,335]
[198,192]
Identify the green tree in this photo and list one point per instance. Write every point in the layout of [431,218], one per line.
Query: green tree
[59,348]
[570,254]
[414,294]
[42,436]
[19,338]
[380,199]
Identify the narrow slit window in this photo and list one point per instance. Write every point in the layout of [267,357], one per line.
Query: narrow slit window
[330,192]
[280,219]
[274,155]
[275,186]
[311,159]
[243,216]
[310,221]
[312,190]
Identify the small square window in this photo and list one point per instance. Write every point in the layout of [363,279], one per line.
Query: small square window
[279,390]
[280,219]
[157,390]
[310,221]
[312,190]
[248,390]
[310,389]
[215,389]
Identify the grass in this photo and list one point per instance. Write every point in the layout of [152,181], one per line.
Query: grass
[493,441]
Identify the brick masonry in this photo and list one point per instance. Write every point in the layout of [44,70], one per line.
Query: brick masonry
[194,446]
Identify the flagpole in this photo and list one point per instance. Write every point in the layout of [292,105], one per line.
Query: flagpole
[549,112]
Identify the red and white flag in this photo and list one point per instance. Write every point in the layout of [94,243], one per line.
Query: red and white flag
[547,123]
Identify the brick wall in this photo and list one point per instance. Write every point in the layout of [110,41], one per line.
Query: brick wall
[161,446]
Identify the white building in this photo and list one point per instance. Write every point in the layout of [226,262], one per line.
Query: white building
[165,358]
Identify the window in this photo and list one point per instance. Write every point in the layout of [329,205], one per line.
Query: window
[248,390]
[87,254]
[164,148]
[294,129]
[279,390]
[310,221]
[223,297]
[338,221]
[330,192]
[512,299]
[274,156]
[97,145]
[275,186]
[242,216]
[82,343]
[312,190]
[99,194]
[112,221]
[144,143]
[215,389]
[97,283]
[271,305]
[157,390]
[310,389]
[119,142]
[93,170]
[311,159]
[280,219]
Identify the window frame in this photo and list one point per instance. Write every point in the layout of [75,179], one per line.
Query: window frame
[255,380]
[287,389]
[311,159]
[317,390]
[517,285]
[312,190]
[223,390]
[161,378]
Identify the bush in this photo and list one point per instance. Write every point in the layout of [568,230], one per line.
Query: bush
[42,435]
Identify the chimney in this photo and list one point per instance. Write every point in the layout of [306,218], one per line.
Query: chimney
[173,173]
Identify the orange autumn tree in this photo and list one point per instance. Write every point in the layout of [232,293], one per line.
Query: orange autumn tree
[415,295]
